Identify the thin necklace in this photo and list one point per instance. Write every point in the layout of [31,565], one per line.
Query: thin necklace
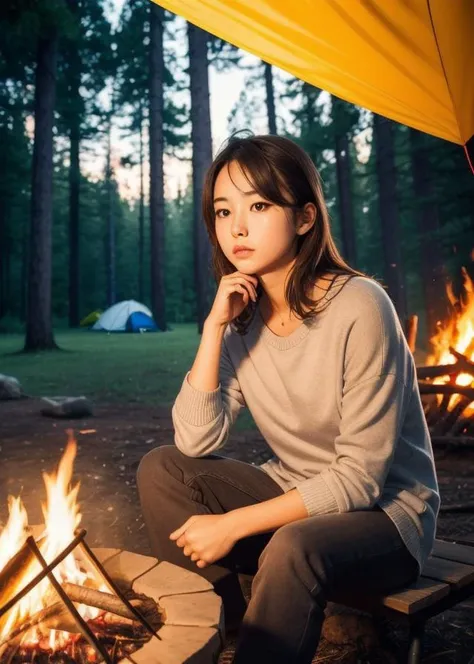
[281,319]
[279,316]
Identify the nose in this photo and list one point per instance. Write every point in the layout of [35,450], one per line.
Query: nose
[238,225]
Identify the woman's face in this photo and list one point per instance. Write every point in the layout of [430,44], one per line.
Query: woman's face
[244,218]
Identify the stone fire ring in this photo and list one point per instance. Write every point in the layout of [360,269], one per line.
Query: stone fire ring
[193,620]
[193,629]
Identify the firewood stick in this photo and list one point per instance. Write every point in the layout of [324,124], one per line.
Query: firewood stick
[17,566]
[48,614]
[100,600]
[429,388]
[462,364]
[20,564]
[411,327]
[422,373]
[56,616]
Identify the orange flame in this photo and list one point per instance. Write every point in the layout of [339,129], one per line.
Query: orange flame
[457,333]
[61,518]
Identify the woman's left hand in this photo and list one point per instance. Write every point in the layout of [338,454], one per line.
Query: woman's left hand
[206,538]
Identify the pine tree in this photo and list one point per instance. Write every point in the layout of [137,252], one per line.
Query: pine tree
[202,157]
[39,330]
[389,217]
[84,64]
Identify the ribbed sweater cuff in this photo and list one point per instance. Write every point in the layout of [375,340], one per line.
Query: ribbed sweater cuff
[197,407]
[317,497]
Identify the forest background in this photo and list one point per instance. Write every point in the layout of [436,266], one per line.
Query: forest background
[105,134]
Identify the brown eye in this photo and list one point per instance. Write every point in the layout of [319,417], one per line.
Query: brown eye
[217,213]
[262,205]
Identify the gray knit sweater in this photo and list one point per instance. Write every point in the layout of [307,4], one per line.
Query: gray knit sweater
[337,402]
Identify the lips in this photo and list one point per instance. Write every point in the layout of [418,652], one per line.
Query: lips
[241,251]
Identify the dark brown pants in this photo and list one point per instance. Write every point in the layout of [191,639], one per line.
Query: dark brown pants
[297,568]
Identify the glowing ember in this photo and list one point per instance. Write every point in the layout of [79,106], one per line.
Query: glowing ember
[61,518]
[457,333]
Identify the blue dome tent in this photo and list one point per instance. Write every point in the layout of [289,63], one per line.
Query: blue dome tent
[126,316]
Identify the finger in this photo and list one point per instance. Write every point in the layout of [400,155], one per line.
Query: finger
[245,293]
[242,280]
[187,550]
[194,556]
[238,288]
[179,531]
[201,564]
[248,277]
[248,285]
[182,541]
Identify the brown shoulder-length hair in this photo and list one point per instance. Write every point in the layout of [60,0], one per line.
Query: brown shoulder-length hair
[276,168]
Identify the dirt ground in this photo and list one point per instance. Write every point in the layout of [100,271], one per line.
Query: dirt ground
[109,454]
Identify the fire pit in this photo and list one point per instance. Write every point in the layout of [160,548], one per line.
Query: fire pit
[447,381]
[63,602]
[449,404]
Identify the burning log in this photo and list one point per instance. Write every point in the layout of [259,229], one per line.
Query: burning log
[430,388]
[16,567]
[101,600]
[56,616]
[411,331]
[27,626]
[462,364]
[53,617]
[13,570]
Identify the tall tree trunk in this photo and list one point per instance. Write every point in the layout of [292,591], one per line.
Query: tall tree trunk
[432,268]
[202,158]
[25,261]
[39,329]
[310,96]
[341,125]
[110,235]
[141,219]
[157,196]
[270,92]
[388,209]
[74,194]
[8,275]
[346,211]
[74,74]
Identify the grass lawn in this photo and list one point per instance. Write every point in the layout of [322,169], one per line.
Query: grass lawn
[107,367]
[145,368]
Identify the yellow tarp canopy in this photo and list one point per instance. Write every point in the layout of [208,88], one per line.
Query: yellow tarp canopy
[409,60]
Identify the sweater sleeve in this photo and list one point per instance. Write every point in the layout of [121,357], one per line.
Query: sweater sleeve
[377,384]
[202,420]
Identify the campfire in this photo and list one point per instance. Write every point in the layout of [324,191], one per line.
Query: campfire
[447,380]
[57,602]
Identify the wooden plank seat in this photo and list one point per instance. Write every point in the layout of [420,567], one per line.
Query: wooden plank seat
[447,579]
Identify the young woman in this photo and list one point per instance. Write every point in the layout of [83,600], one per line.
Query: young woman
[348,503]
